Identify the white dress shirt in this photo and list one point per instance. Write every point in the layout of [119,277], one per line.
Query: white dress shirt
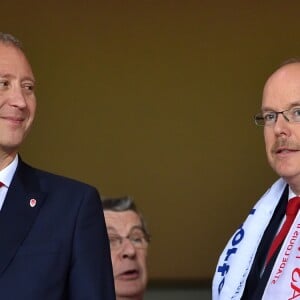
[6,176]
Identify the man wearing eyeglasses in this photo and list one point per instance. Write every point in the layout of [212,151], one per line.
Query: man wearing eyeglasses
[262,259]
[129,239]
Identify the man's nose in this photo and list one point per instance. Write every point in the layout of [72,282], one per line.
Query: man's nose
[17,97]
[282,124]
[127,248]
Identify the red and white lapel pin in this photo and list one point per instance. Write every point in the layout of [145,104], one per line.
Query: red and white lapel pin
[32,202]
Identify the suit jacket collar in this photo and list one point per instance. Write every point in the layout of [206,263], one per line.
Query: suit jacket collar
[18,213]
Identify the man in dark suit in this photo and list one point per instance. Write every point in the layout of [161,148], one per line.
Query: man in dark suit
[262,259]
[53,239]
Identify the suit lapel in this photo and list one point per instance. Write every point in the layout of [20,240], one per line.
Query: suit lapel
[18,213]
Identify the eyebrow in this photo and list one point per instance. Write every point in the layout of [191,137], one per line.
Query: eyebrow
[25,78]
[139,227]
[293,104]
[136,227]
[111,228]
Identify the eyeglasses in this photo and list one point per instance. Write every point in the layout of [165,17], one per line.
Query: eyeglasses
[269,118]
[137,238]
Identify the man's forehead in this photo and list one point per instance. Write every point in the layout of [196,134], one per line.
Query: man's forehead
[285,72]
[14,64]
[283,87]
[8,51]
[121,220]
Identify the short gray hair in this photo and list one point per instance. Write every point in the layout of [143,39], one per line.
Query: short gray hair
[9,39]
[124,204]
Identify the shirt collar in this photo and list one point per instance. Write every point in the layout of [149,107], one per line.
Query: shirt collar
[291,193]
[8,172]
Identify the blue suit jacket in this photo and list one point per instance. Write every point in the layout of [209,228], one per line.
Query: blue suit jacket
[57,249]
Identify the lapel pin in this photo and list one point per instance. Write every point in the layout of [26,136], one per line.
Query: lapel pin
[32,202]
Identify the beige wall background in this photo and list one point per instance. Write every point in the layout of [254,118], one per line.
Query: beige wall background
[155,99]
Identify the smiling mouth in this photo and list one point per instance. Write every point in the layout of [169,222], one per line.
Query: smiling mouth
[14,119]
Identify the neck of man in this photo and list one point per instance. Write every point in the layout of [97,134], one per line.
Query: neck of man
[6,159]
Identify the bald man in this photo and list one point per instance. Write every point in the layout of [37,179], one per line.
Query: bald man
[262,259]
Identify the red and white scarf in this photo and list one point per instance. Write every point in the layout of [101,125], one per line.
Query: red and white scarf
[284,281]
[236,260]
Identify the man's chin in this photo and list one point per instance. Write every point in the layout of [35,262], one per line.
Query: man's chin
[130,289]
[286,169]
[290,178]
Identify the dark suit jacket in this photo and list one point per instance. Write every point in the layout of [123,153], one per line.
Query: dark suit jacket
[57,249]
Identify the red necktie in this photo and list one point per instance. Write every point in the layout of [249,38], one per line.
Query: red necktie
[291,212]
